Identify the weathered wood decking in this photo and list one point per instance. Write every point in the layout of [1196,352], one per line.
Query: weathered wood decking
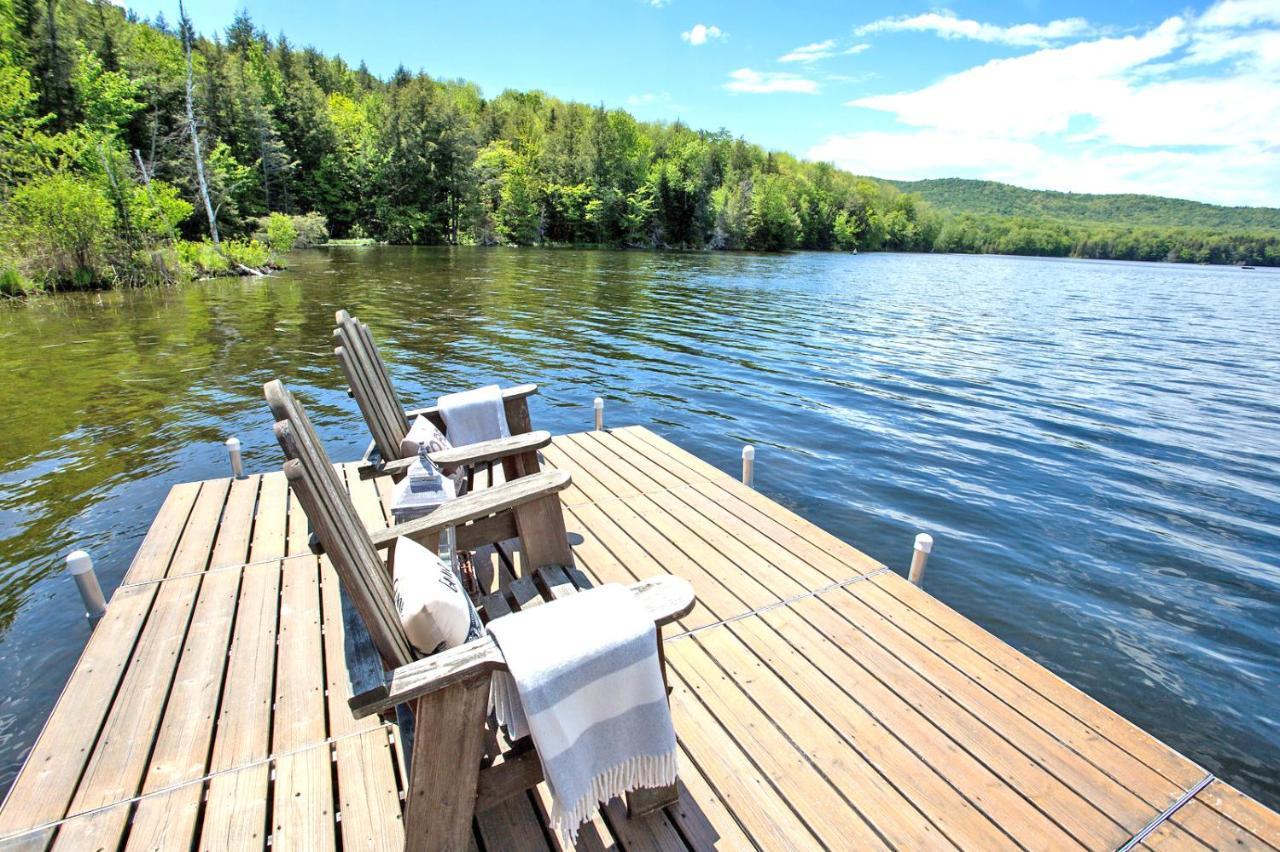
[820,699]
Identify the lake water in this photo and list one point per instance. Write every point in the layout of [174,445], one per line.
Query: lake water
[1095,446]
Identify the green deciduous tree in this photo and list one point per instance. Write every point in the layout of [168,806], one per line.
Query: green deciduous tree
[772,224]
[61,226]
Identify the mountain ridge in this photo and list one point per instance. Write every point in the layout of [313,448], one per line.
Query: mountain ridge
[985,197]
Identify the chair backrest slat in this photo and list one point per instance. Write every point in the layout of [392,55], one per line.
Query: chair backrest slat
[375,373]
[336,522]
[357,379]
[375,379]
[370,384]
[378,368]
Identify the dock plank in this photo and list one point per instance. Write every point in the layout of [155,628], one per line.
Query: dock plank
[887,811]
[115,770]
[162,821]
[303,804]
[1115,812]
[1222,811]
[859,681]
[368,797]
[236,811]
[182,746]
[807,792]
[44,787]
[156,550]
[1182,772]
[1129,772]
[701,814]
[986,744]
[895,763]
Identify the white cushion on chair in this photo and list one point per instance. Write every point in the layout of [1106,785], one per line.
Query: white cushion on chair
[435,611]
[424,433]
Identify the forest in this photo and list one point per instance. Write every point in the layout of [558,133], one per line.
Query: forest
[988,197]
[140,152]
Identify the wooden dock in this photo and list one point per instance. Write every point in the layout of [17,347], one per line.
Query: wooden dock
[819,698]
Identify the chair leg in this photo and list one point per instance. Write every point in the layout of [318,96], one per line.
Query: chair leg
[646,800]
[514,467]
[543,538]
[445,766]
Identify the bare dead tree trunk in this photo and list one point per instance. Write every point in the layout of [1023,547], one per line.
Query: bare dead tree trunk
[185,26]
[146,175]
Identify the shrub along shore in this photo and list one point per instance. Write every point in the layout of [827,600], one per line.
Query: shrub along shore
[135,152]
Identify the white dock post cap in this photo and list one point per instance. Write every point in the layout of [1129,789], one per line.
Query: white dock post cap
[599,404]
[79,562]
[749,466]
[237,464]
[80,567]
[919,556]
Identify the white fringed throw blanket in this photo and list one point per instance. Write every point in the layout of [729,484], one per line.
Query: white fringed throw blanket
[585,681]
[473,416]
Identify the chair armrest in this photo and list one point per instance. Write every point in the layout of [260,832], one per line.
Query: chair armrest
[372,464]
[508,394]
[448,460]
[664,598]
[374,468]
[477,505]
[486,451]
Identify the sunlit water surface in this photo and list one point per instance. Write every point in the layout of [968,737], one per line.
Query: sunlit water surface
[1095,446]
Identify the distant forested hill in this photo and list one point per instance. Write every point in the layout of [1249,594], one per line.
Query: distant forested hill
[985,197]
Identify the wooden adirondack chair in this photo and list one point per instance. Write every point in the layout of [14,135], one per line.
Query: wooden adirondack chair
[388,421]
[459,768]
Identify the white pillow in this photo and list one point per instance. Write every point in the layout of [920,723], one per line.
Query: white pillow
[424,432]
[435,611]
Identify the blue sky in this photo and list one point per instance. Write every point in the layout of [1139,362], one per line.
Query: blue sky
[1158,97]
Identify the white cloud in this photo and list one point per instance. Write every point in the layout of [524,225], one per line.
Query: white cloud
[701,34]
[769,82]
[1242,175]
[820,50]
[1035,93]
[947,25]
[810,52]
[1187,108]
[658,4]
[1241,13]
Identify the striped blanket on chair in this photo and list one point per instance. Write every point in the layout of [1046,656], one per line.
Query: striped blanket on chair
[585,681]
